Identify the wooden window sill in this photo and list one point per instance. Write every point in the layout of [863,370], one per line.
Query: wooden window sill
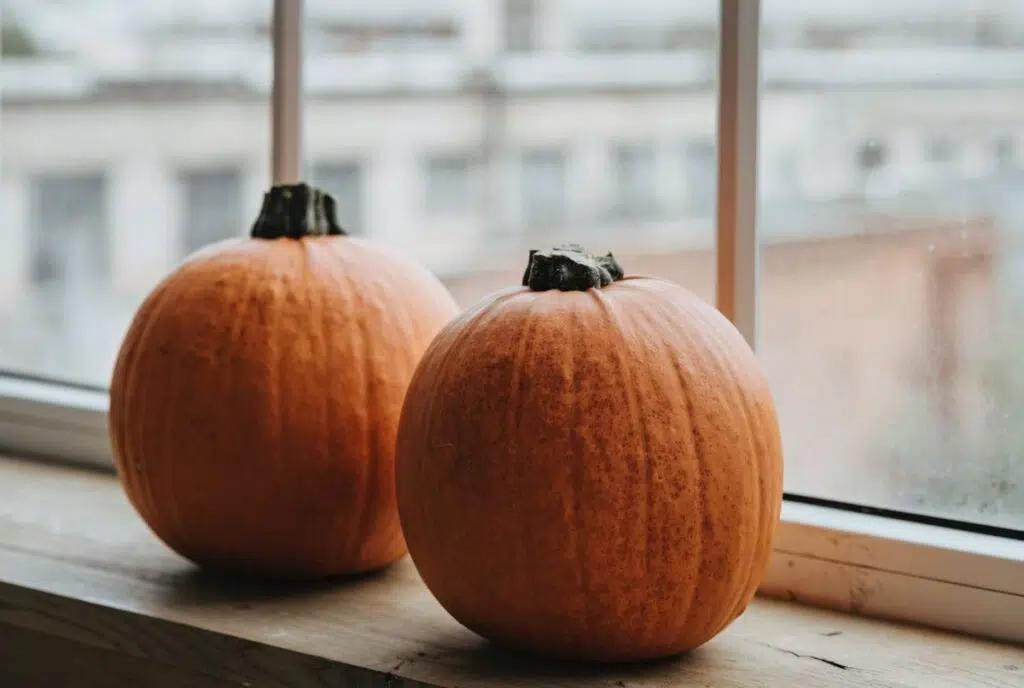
[88,597]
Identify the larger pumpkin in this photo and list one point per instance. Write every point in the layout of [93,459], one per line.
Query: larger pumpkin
[255,399]
[590,466]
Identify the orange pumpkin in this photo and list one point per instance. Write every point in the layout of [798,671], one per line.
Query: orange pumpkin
[256,395]
[589,466]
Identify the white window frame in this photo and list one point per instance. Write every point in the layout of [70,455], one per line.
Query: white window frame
[928,573]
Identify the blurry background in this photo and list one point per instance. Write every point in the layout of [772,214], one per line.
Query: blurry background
[468,131]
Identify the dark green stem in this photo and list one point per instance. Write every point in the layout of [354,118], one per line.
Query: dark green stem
[570,268]
[294,211]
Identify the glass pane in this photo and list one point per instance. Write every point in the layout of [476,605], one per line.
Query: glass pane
[465,133]
[133,134]
[893,251]
[485,128]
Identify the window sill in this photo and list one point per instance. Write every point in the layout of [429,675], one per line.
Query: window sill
[81,579]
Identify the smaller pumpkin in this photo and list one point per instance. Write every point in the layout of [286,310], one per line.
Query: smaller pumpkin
[255,399]
[589,465]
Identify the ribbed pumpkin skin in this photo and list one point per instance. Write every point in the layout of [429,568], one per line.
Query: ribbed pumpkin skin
[591,475]
[255,402]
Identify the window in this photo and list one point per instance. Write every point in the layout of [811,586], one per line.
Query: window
[68,276]
[543,183]
[449,183]
[699,176]
[941,150]
[106,183]
[1004,150]
[636,180]
[213,207]
[69,229]
[872,161]
[871,155]
[344,181]
[889,324]
[898,307]
[520,25]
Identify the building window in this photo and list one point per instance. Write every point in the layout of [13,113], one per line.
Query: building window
[700,176]
[636,180]
[69,229]
[520,25]
[1005,152]
[872,155]
[344,181]
[543,185]
[941,150]
[787,176]
[212,207]
[449,184]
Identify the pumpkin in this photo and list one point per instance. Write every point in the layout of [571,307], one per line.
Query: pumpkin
[589,466]
[255,397]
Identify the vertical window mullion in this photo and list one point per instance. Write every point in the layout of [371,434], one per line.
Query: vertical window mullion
[739,78]
[286,92]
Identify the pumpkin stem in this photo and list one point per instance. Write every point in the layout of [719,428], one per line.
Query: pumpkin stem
[570,268]
[294,211]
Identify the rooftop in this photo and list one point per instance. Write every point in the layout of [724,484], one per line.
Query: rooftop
[368,74]
[95,49]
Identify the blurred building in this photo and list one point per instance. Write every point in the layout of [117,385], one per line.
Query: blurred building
[448,125]
[892,139]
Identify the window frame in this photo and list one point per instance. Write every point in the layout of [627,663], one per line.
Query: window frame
[869,564]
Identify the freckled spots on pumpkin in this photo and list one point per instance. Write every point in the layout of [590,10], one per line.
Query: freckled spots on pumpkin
[256,395]
[621,501]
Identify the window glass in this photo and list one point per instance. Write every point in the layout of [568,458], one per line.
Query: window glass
[892,279]
[464,133]
[133,134]
[500,133]
[891,215]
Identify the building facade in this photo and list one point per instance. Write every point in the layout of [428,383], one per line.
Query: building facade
[466,131]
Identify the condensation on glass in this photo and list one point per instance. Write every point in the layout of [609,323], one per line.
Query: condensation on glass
[891,227]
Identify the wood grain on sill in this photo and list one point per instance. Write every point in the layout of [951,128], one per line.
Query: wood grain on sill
[88,597]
